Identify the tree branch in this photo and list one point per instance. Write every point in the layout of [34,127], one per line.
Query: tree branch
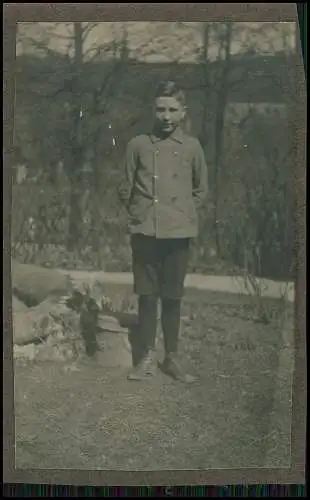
[99,92]
[51,31]
[88,29]
[42,45]
[98,50]
[66,87]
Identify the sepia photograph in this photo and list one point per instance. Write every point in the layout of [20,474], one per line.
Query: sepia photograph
[153,257]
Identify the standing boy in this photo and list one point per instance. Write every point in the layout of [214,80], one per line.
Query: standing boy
[164,185]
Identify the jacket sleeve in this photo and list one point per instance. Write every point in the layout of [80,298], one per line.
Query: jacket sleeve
[128,174]
[199,176]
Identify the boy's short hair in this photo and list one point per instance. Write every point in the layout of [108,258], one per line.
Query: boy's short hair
[171,89]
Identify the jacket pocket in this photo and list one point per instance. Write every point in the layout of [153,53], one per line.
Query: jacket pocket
[134,214]
[138,211]
[187,210]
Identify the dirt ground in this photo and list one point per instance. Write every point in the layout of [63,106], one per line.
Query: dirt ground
[85,416]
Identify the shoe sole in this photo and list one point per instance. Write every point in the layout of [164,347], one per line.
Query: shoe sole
[138,378]
[146,376]
[189,379]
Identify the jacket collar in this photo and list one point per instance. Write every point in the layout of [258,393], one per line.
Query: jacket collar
[177,136]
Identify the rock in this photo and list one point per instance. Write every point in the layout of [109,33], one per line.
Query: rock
[34,284]
[111,324]
[50,352]
[25,352]
[58,327]
[17,305]
[115,350]
[37,323]
[26,327]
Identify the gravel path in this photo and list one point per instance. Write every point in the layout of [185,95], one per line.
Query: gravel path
[229,284]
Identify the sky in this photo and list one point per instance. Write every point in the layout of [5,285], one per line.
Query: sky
[159,41]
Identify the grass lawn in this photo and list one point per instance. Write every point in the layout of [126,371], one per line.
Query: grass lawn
[87,416]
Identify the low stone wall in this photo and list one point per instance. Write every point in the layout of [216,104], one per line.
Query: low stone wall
[73,316]
[68,321]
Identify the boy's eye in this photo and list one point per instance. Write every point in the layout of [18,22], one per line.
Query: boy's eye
[162,110]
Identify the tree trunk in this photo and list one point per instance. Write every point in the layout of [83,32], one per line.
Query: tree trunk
[222,96]
[96,211]
[76,167]
[206,36]
[75,229]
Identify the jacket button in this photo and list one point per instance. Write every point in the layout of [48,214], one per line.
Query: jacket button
[157,152]
[175,153]
[155,200]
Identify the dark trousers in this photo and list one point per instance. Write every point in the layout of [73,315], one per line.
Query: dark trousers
[159,269]
[170,321]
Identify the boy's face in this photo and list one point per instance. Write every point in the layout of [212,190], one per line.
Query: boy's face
[169,112]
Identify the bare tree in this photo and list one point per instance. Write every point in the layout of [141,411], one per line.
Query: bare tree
[84,100]
[77,160]
[246,41]
[206,79]
[224,57]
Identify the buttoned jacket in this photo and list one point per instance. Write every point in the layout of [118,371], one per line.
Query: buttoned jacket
[164,184]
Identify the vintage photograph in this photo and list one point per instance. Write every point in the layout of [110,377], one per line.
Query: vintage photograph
[152,245]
